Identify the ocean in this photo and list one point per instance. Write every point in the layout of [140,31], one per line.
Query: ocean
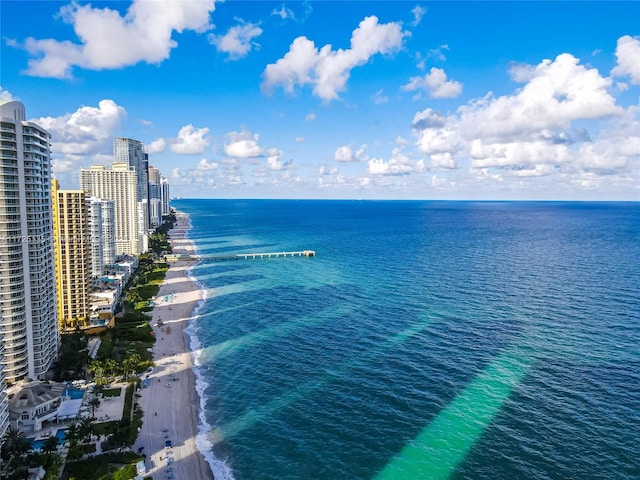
[425,340]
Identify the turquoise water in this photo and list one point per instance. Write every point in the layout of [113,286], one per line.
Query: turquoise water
[425,340]
[74,393]
[60,435]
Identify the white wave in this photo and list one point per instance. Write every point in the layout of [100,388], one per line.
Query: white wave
[221,470]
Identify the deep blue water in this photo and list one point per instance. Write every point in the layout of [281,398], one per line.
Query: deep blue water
[425,340]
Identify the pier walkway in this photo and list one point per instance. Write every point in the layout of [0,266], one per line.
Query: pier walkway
[247,256]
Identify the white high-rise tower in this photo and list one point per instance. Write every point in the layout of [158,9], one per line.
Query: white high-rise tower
[131,152]
[102,232]
[28,311]
[118,184]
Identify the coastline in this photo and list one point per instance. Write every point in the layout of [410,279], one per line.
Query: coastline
[170,401]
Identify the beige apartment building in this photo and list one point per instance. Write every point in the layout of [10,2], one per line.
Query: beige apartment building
[118,183]
[73,256]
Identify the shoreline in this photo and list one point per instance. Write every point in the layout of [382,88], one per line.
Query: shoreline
[171,404]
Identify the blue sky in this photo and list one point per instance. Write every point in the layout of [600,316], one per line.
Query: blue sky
[329,99]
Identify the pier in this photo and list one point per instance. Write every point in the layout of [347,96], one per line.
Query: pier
[302,253]
[250,256]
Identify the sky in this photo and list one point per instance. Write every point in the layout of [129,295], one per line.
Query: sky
[507,100]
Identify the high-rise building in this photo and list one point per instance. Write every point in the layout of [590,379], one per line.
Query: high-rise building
[4,398]
[155,196]
[118,184]
[73,256]
[131,152]
[102,233]
[164,189]
[155,210]
[154,175]
[143,226]
[28,311]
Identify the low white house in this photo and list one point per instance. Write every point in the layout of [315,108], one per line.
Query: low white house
[33,402]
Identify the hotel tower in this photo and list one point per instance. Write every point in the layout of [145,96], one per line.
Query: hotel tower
[28,312]
[118,184]
[103,234]
[73,256]
[131,152]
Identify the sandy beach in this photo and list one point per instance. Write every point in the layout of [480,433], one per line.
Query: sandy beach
[170,401]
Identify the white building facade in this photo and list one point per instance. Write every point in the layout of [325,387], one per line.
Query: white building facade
[131,152]
[102,233]
[119,185]
[164,196]
[28,308]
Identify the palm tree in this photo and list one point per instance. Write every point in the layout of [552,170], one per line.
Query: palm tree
[50,445]
[98,389]
[97,369]
[111,368]
[15,446]
[15,442]
[85,429]
[94,403]
[131,364]
[72,433]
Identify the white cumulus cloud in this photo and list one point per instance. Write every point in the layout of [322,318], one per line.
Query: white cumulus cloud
[238,40]
[190,141]
[436,83]
[346,154]
[109,40]
[87,131]
[273,159]
[560,92]
[5,96]
[545,127]
[157,146]
[328,70]
[205,165]
[243,145]
[399,164]
[628,55]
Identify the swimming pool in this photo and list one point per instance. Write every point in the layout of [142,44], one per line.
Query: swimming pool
[36,445]
[74,393]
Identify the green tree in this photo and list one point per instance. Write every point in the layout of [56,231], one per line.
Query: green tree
[133,296]
[72,434]
[94,403]
[50,445]
[98,389]
[85,429]
[112,369]
[97,369]
[131,364]
[15,447]
[15,443]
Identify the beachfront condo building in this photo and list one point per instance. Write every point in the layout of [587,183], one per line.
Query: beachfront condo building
[102,233]
[155,210]
[4,398]
[154,176]
[73,256]
[119,184]
[155,198]
[143,226]
[164,191]
[131,152]
[28,310]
